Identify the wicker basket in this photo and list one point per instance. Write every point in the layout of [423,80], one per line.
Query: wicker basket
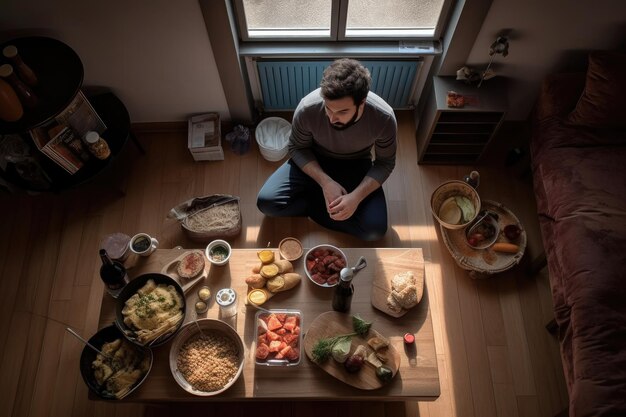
[485,262]
[211,217]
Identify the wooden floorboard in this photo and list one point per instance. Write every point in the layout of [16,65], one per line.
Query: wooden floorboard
[494,356]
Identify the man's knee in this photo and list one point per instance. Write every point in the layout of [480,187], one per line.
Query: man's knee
[374,232]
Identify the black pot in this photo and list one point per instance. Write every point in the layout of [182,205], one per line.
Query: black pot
[104,335]
[131,289]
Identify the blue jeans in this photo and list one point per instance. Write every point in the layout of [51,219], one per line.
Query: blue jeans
[289,192]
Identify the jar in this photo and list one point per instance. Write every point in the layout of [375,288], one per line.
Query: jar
[226,298]
[97,146]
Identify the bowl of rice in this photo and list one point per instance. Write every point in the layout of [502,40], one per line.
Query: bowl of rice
[209,362]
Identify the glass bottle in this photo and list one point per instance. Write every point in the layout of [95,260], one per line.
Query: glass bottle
[97,146]
[342,298]
[26,95]
[113,274]
[11,108]
[473,179]
[25,73]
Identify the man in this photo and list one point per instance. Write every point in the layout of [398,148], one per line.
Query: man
[330,175]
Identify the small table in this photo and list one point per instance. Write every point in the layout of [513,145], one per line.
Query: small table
[485,262]
[417,378]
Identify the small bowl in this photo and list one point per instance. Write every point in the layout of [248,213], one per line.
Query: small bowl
[312,258]
[486,225]
[453,189]
[208,327]
[290,249]
[106,335]
[214,244]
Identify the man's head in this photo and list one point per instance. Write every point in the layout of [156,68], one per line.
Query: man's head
[344,87]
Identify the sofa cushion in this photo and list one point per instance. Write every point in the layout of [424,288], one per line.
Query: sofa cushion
[602,103]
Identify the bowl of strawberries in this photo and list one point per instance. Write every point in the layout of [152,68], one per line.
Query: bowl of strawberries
[323,263]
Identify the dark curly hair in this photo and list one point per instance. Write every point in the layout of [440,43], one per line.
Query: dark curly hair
[346,77]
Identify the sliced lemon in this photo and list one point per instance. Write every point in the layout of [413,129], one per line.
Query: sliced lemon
[257,297]
[269,271]
[266,256]
[450,212]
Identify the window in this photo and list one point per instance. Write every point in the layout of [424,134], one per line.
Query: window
[339,20]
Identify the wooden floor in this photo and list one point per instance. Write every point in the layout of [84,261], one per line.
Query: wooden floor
[495,357]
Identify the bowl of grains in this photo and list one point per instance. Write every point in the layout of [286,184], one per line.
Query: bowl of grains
[206,359]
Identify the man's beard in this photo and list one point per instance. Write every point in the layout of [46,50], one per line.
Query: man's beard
[342,126]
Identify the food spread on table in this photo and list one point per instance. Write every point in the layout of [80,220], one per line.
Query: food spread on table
[352,351]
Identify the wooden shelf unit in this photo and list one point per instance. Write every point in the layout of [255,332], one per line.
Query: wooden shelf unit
[459,135]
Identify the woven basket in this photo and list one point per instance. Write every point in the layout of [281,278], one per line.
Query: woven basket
[485,262]
[220,213]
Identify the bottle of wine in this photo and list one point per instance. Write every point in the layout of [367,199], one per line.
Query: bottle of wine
[113,274]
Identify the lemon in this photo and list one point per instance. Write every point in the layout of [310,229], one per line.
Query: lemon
[269,271]
[266,256]
[450,212]
[257,297]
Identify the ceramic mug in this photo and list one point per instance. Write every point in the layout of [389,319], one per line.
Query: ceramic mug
[143,244]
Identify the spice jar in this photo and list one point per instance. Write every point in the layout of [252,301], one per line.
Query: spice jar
[226,298]
[97,146]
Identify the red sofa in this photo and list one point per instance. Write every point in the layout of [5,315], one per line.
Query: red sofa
[578,152]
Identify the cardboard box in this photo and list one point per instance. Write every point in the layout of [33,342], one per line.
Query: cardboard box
[204,137]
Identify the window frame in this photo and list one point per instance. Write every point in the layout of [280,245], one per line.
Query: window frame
[339,12]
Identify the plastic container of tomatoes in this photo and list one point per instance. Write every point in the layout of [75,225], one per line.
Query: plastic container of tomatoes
[278,338]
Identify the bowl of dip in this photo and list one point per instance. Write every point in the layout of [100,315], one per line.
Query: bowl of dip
[218,252]
[290,249]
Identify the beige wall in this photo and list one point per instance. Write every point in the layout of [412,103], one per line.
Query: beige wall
[154,54]
[547,35]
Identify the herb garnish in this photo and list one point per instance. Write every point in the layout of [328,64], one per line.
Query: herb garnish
[322,349]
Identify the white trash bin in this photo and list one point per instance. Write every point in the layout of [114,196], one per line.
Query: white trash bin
[272,136]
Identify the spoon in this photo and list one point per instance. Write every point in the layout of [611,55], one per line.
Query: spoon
[87,343]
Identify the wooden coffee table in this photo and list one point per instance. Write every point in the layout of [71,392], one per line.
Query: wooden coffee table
[417,378]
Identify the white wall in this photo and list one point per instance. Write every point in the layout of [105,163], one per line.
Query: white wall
[546,36]
[154,54]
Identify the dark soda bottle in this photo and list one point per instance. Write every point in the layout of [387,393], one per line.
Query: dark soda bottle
[342,298]
[113,274]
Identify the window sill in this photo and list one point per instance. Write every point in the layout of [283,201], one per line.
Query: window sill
[396,49]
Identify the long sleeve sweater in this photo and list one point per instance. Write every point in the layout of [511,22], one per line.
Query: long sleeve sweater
[312,134]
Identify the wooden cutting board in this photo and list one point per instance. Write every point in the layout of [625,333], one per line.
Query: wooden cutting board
[331,324]
[386,268]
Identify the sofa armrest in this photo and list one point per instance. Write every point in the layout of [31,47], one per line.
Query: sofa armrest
[559,95]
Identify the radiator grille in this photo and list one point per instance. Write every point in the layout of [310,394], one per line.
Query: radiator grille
[284,83]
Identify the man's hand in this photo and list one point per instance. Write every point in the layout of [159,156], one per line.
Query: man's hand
[343,207]
[332,191]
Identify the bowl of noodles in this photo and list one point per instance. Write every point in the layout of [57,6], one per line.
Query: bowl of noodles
[150,309]
[121,371]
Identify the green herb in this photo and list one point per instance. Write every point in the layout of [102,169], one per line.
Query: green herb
[360,326]
[322,349]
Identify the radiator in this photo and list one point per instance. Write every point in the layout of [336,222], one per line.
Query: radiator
[283,83]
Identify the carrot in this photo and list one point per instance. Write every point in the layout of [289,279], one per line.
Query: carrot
[505,247]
